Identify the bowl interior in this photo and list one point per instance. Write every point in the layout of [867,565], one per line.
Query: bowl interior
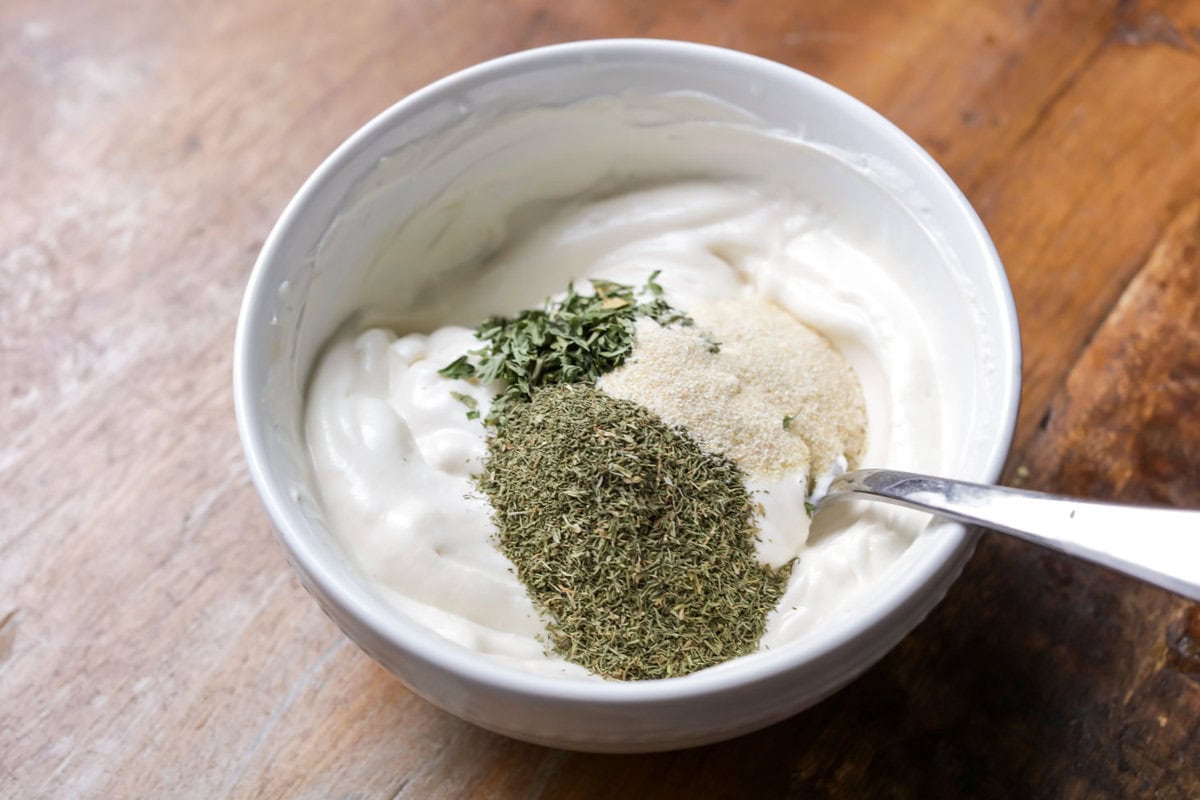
[363,242]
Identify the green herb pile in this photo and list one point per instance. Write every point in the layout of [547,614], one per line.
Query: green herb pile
[575,339]
[637,544]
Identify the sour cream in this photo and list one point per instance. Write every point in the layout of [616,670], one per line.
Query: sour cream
[393,450]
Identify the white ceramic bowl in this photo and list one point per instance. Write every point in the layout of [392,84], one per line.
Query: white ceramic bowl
[322,264]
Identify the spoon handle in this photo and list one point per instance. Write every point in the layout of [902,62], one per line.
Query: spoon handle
[1158,545]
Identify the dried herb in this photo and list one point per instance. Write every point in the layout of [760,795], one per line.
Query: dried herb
[637,544]
[575,339]
[469,402]
[465,399]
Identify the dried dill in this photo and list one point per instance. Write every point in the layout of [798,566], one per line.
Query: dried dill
[637,544]
[572,340]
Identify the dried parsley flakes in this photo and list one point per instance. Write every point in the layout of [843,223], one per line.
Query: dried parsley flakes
[575,339]
[637,544]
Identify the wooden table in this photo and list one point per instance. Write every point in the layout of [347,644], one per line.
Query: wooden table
[153,642]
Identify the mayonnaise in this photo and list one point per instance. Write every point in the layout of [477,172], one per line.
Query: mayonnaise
[393,450]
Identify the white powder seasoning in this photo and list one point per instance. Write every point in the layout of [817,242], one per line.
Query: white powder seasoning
[769,367]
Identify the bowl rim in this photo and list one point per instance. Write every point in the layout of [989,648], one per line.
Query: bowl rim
[336,583]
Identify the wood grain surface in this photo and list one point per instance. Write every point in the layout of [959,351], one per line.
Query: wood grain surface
[153,642]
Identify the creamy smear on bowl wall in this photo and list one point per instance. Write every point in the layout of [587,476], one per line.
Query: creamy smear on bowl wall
[394,453]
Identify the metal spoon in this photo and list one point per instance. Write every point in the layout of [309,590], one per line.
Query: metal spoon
[1157,545]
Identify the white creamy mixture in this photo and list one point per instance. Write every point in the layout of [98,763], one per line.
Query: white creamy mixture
[393,451]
